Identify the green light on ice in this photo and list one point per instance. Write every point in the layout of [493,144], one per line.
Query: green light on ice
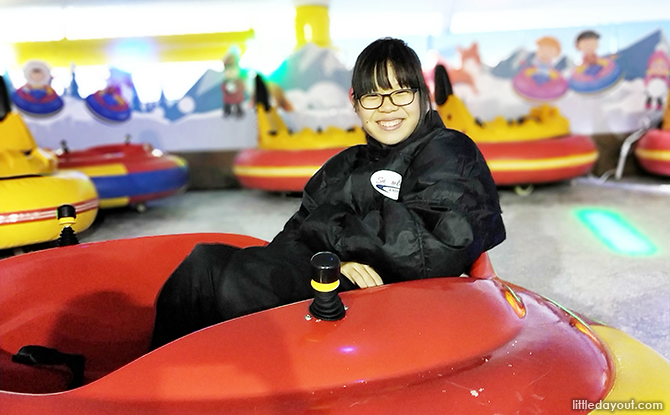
[616,232]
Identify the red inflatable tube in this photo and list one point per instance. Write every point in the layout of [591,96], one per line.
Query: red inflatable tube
[653,152]
[541,161]
[128,173]
[511,163]
[279,170]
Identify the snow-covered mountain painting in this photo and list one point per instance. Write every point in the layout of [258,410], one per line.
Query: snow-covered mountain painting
[309,65]
[204,96]
[316,83]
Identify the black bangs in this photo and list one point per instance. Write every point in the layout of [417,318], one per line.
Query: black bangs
[372,65]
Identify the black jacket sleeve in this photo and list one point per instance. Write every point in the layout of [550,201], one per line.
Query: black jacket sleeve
[447,215]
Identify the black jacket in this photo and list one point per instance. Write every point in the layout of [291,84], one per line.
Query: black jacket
[446,214]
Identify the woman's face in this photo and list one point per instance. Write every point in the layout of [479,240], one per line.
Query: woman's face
[390,124]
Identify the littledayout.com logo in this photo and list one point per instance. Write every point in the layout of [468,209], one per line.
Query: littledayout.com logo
[632,405]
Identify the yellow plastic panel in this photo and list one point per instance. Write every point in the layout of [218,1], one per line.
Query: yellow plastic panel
[312,24]
[642,374]
[177,48]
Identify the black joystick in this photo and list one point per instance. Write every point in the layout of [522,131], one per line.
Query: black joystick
[327,304]
[66,218]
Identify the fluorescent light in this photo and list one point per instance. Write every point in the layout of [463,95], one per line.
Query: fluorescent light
[556,16]
[101,22]
[380,24]
[274,40]
[277,25]
[266,57]
[311,2]
[31,24]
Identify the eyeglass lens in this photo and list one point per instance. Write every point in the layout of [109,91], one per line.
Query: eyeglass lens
[398,98]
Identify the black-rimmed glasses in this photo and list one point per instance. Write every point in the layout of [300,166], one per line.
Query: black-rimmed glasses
[399,98]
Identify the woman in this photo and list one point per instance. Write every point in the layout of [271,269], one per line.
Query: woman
[417,201]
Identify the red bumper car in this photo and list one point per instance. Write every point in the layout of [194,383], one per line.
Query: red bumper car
[470,345]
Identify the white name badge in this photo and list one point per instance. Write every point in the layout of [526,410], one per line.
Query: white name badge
[387,182]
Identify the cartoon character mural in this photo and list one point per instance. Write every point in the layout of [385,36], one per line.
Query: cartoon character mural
[470,66]
[111,103]
[200,109]
[540,80]
[232,87]
[657,80]
[595,74]
[466,74]
[37,97]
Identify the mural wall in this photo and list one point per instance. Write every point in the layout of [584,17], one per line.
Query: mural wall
[603,79]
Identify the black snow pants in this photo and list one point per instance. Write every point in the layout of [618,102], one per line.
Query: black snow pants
[217,282]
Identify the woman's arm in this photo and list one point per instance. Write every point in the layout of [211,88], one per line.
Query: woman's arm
[318,184]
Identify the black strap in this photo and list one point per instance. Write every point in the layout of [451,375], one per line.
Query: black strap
[41,355]
[5,105]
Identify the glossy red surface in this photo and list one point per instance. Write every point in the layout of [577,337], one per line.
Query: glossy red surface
[656,142]
[135,157]
[442,345]
[94,299]
[554,155]
[273,168]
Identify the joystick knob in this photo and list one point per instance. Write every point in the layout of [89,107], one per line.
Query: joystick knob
[327,304]
[67,215]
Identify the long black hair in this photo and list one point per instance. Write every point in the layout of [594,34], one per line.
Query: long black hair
[371,70]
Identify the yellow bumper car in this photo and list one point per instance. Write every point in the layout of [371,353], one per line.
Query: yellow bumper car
[31,188]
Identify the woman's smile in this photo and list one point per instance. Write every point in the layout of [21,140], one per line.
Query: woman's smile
[390,125]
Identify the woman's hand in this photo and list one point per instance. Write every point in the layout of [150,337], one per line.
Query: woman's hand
[362,275]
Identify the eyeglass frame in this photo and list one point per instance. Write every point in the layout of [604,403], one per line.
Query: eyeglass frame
[389,96]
